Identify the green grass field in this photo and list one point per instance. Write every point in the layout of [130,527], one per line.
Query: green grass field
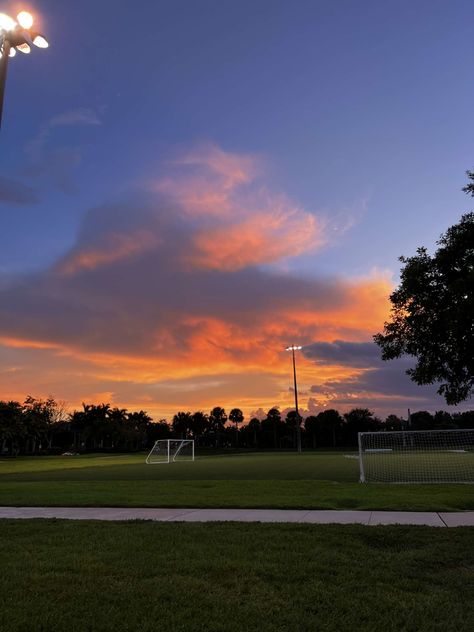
[312,480]
[66,576]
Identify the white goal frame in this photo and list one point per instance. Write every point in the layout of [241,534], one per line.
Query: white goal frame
[170,451]
[417,456]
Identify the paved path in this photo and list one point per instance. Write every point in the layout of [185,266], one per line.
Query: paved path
[429,518]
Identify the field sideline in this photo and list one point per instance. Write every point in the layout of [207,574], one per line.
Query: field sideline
[312,480]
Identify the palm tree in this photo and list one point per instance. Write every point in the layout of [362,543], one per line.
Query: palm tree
[236,416]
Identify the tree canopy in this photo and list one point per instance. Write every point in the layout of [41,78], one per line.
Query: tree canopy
[432,317]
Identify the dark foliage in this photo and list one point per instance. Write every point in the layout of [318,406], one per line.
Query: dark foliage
[432,315]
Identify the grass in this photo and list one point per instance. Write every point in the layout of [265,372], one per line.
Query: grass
[325,480]
[91,576]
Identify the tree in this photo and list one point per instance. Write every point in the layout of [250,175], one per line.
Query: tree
[236,416]
[254,427]
[394,423]
[432,317]
[421,420]
[199,423]
[12,427]
[360,420]
[311,427]
[330,423]
[272,423]
[38,417]
[217,421]
[182,423]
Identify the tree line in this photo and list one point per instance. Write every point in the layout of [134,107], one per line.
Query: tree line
[39,426]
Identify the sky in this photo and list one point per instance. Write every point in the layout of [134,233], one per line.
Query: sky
[189,186]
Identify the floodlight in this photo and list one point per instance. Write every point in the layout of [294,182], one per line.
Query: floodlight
[6,22]
[24,48]
[25,19]
[16,36]
[40,41]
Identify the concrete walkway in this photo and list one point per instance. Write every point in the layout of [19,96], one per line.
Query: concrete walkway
[428,518]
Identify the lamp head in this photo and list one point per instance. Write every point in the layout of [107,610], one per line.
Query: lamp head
[6,22]
[25,19]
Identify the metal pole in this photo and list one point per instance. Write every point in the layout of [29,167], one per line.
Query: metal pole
[3,72]
[298,428]
[361,459]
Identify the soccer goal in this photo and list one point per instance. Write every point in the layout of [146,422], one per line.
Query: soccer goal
[420,456]
[171,450]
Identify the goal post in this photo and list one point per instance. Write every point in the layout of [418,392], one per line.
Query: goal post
[419,456]
[171,451]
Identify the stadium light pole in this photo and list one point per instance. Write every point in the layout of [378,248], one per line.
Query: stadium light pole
[294,348]
[16,35]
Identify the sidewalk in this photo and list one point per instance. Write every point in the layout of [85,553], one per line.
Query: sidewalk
[427,518]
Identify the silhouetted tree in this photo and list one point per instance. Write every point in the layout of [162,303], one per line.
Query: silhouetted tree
[182,424]
[432,315]
[329,423]
[217,421]
[38,419]
[443,420]
[272,424]
[199,424]
[394,423]
[291,426]
[253,429]
[236,416]
[464,420]
[360,420]
[311,427]
[12,427]
[421,420]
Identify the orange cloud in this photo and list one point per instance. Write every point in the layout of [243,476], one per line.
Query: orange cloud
[115,248]
[196,309]
[265,237]
[208,183]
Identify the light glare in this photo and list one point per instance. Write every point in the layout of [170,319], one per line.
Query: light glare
[12,52]
[25,19]
[6,22]
[40,41]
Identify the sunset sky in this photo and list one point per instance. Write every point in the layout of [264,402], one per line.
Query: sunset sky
[188,186]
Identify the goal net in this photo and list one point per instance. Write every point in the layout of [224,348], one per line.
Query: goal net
[421,456]
[171,450]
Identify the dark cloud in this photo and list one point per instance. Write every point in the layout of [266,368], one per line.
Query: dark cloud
[126,286]
[342,353]
[16,192]
[384,386]
[57,168]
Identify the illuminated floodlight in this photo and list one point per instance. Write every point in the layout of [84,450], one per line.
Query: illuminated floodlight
[25,19]
[6,22]
[40,41]
[16,36]
[294,348]
[24,48]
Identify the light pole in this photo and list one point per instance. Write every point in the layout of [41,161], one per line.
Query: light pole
[16,35]
[294,348]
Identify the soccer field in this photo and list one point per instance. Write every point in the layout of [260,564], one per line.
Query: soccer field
[312,480]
